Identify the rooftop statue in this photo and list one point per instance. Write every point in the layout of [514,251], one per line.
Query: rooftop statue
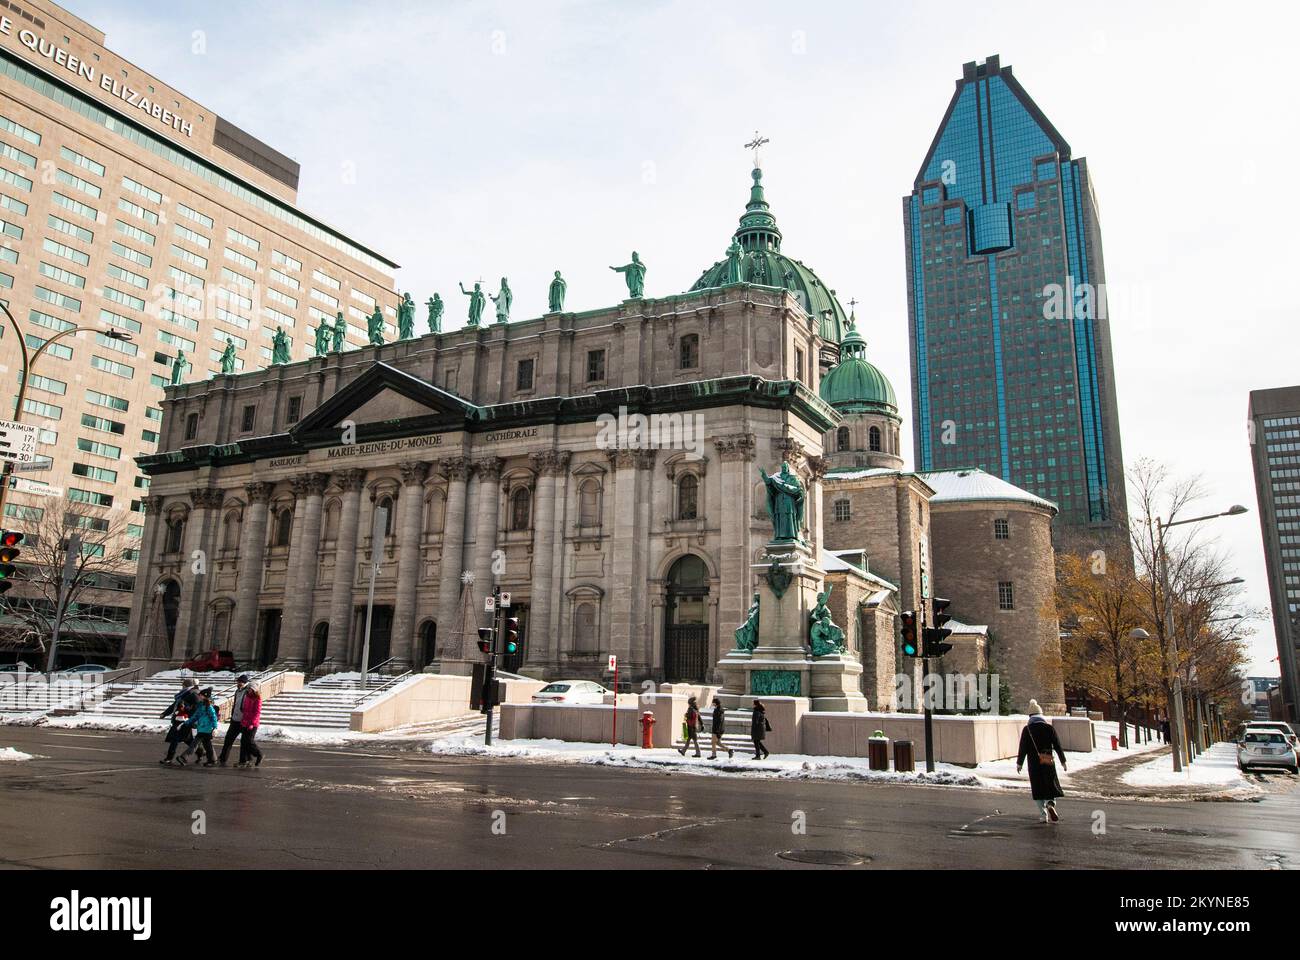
[556,295]
[435,313]
[785,504]
[375,327]
[503,299]
[734,273]
[406,318]
[324,334]
[178,368]
[279,347]
[476,303]
[747,632]
[340,332]
[824,636]
[228,357]
[634,274]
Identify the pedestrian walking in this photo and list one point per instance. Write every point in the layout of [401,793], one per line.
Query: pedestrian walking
[719,725]
[236,728]
[692,728]
[252,716]
[183,704]
[1038,741]
[204,722]
[758,730]
[1164,731]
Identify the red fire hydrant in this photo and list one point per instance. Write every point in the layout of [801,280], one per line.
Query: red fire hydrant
[1114,742]
[647,726]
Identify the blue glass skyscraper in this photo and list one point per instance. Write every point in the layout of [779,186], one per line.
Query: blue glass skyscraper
[1010,339]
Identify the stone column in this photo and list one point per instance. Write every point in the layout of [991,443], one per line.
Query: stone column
[410,532]
[485,523]
[548,465]
[643,638]
[623,551]
[345,566]
[252,558]
[206,503]
[304,559]
[138,637]
[736,453]
[451,566]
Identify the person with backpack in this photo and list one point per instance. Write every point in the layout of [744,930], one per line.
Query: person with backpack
[183,704]
[1038,741]
[758,730]
[204,722]
[252,716]
[719,725]
[691,727]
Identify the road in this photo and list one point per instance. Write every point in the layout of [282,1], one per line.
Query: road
[97,799]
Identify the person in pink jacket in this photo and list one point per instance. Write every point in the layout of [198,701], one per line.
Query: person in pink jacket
[252,716]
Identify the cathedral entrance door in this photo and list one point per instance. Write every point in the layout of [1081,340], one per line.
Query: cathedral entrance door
[268,638]
[381,634]
[686,626]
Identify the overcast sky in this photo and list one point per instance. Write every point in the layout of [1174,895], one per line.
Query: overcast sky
[473,140]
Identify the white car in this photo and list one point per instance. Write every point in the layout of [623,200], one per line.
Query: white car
[1262,747]
[571,691]
[1277,726]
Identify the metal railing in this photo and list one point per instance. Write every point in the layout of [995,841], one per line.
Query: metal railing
[383,688]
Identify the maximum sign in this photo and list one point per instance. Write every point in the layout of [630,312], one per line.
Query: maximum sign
[17,441]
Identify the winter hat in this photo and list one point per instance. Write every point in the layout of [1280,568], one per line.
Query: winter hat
[1034,707]
[206,691]
[242,678]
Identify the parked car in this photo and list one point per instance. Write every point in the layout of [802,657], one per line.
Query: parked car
[571,691]
[1266,748]
[88,668]
[19,667]
[212,660]
[1277,726]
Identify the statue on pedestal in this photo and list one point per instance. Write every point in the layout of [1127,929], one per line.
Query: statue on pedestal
[556,294]
[178,368]
[324,334]
[340,332]
[503,299]
[435,313]
[634,274]
[477,301]
[375,327]
[734,273]
[228,357]
[279,347]
[785,504]
[406,318]
[824,636]
[747,632]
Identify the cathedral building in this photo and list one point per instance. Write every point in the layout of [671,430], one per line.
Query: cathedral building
[603,467]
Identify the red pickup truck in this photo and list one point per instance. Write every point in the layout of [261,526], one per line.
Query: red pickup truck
[212,660]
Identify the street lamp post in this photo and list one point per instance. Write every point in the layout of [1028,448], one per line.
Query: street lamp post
[1176,729]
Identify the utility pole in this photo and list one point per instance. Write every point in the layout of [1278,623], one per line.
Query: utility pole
[489,674]
[376,544]
[65,591]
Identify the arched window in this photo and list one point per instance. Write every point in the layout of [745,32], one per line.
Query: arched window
[589,503]
[283,527]
[688,497]
[175,534]
[521,503]
[842,441]
[689,353]
[220,628]
[230,532]
[386,504]
[873,439]
[584,628]
[330,530]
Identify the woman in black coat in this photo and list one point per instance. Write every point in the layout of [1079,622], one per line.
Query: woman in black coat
[758,727]
[1038,741]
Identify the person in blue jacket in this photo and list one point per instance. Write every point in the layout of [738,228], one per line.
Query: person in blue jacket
[204,721]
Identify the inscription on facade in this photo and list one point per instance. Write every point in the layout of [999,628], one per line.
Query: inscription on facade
[384,446]
[285,462]
[511,435]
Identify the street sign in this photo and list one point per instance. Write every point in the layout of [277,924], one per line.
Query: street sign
[19,485]
[505,600]
[33,466]
[489,604]
[17,441]
[613,664]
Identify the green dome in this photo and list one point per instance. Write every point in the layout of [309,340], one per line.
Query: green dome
[759,260]
[854,385]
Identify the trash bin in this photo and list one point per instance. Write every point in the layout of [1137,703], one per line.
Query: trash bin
[878,753]
[903,761]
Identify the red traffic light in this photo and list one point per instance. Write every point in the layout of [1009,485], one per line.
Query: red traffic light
[11,538]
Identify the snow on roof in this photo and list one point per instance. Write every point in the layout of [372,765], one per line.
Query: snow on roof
[956,626]
[963,486]
[832,563]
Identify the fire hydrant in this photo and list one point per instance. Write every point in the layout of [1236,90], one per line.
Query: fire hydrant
[1114,742]
[647,728]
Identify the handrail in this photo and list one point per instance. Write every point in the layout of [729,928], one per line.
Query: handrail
[380,689]
[77,700]
[365,674]
[227,692]
[315,670]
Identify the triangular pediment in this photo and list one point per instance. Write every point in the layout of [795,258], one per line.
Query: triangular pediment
[385,395]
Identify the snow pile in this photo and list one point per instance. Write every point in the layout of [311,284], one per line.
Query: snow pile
[1216,767]
[9,753]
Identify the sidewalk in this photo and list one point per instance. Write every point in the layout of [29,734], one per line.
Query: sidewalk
[1212,776]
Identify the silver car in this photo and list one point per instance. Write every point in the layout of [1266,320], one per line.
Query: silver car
[1266,748]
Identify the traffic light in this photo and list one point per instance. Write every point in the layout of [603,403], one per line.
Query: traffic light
[485,639]
[9,543]
[909,634]
[512,635]
[935,636]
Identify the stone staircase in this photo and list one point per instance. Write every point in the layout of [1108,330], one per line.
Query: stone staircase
[735,732]
[147,699]
[325,703]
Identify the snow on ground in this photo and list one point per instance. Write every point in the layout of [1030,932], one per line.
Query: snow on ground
[1216,767]
[1005,770]
[9,753]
